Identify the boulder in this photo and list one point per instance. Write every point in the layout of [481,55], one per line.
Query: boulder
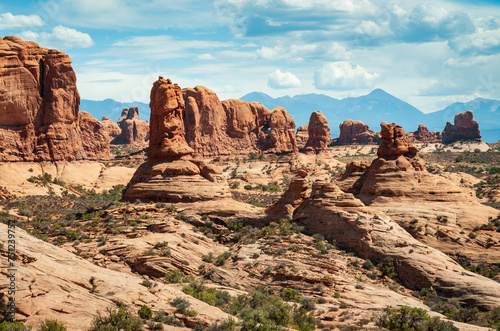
[39,105]
[423,135]
[319,136]
[171,175]
[356,133]
[465,129]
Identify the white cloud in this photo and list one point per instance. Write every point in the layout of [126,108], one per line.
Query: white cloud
[60,37]
[9,21]
[341,75]
[205,56]
[297,52]
[481,42]
[281,80]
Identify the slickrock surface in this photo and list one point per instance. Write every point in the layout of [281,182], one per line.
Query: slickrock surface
[356,133]
[55,283]
[39,106]
[423,135]
[234,126]
[343,218]
[133,130]
[465,128]
[111,127]
[319,136]
[170,174]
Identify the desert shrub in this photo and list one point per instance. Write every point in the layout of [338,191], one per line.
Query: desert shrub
[228,325]
[13,326]
[289,294]
[368,265]
[145,312]
[412,319]
[387,267]
[307,303]
[181,304]
[116,319]
[221,259]
[177,276]
[52,325]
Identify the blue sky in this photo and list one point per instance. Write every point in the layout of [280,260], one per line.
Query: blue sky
[428,53]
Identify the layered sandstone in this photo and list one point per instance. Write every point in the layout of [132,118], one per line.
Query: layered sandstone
[373,235]
[39,105]
[423,135]
[134,131]
[94,137]
[464,129]
[171,174]
[235,126]
[356,133]
[319,136]
[433,208]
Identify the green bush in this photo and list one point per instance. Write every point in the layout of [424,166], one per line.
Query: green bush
[388,267]
[368,265]
[13,326]
[145,312]
[116,319]
[412,319]
[221,259]
[52,325]
[181,304]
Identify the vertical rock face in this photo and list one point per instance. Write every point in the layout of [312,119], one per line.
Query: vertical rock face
[423,135]
[95,139]
[39,105]
[235,126]
[318,133]
[167,135]
[133,130]
[171,175]
[356,133]
[465,128]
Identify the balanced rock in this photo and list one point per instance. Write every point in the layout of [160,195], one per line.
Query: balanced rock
[133,130]
[235,126]
[39,105]
[356,133]
[423,135]
[465,128]
[111,127]
[319,136]
[171,175]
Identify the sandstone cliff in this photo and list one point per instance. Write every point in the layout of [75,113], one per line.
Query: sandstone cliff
[235,126]
[356,133]
[302,136]
[171,174]
[111,127]
[465,128]
[39,106]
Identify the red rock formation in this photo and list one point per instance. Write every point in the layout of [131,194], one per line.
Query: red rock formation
[111,127]
[95,138]
[423,135]
[356,133]
[319,136]
[302,136]
[465,128]
[39,105]
[133,130]
[171,175]
[235,126]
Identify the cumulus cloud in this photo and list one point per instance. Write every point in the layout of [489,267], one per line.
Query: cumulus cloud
[60,37]
[342,75]
[481,42]
[297,52]
[9,21]
[205,56]
[281,80]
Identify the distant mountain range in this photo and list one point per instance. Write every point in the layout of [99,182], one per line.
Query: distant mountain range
[379,106]
[371,109]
